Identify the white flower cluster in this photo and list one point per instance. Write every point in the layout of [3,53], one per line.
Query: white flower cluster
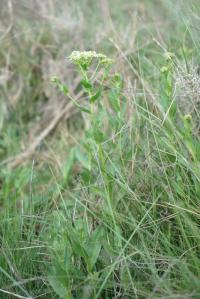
[85,57]
[77,55]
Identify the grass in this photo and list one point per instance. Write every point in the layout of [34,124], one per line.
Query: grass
[100,177]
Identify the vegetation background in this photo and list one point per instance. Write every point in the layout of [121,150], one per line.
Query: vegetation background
[110,211]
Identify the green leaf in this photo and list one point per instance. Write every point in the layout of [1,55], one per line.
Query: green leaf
[86,176]
[83,157]
[86,84]
[64,89]
[94,245]
[84,109]
[59,280]
[76,243]
[98,135]
[68,166]
[95,97]
[114,99]
[118,81]
[59,288]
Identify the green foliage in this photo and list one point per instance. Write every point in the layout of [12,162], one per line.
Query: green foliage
[108,207]
[173,154]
